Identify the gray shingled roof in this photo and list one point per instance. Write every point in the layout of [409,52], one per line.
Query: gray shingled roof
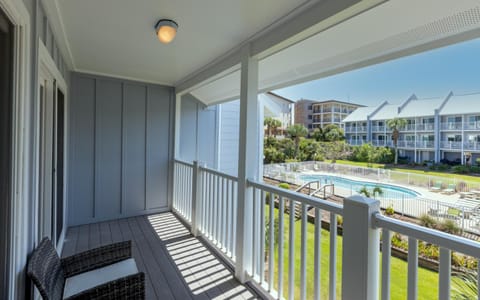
[360,114]
[387,112]
[421,107]
[462,104]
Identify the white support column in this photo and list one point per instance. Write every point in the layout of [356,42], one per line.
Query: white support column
[360,267]
[248,157]
[196,198]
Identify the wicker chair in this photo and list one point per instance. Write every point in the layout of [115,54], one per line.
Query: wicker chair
[107,272]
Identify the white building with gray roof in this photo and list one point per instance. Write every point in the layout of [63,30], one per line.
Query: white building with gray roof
[438,129]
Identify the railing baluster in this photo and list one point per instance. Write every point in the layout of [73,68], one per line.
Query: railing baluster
[254,231]
[281,229]
[217,210]
[271,228]
[262,237]
[317,254]
[333,257]
[228,217]
[412,268]
[210,208]
[291,250]
[386,257]
[220,215]
[202,221]
[235,217]
[303,256]
[444,274]
[232,222]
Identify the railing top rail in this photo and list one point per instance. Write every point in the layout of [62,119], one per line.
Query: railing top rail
[182,162]
[455,243]
[218,173]
[322,204]
[322,188]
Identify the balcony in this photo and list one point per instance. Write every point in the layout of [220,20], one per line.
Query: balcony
[425,144]
[425,127]
[472,146]
[377,128]
[472,125]
[451,126]
[451,145]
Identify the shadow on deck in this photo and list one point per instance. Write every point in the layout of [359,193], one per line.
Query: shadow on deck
[176,264]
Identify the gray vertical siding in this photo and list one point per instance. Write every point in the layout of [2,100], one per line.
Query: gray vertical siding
[198,132]
[121,136]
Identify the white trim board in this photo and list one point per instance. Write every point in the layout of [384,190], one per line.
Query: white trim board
[21,146]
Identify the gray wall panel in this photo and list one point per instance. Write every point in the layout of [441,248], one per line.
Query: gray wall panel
[82,133]
[125,129]
[134,118]
[188,129]
[108,148]
[158,137]
[207,136]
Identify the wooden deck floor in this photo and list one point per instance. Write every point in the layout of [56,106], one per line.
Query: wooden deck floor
[176,265]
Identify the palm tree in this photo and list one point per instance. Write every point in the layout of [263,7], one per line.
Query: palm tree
[296,132]
[317,134]
[395,124]
[333,133]
[376,191]
[272,125]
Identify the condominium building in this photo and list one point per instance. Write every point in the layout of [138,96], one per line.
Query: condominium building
[444,128]
[317,114]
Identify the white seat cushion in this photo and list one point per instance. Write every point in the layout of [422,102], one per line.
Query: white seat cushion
[88,280]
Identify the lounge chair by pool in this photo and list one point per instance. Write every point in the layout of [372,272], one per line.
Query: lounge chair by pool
[437,187]
[451,189]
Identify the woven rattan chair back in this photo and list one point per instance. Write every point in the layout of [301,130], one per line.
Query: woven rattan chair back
[45,270]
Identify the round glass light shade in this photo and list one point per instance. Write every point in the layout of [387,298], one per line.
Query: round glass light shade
[166,30]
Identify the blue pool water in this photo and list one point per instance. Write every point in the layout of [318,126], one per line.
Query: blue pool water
[389,191]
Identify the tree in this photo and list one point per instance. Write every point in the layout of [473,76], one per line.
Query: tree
[317,134]
[395,124]
[333,133]
[376,191]
[272,125]
[296,132]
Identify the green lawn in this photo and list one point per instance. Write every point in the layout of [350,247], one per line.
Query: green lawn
[427,280]
[447,176]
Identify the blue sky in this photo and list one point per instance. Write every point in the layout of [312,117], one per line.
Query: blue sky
[429,74]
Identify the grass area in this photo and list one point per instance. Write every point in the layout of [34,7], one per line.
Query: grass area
[427,280]
[447,176]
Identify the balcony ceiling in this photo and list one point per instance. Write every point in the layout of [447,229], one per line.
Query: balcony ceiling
[390,30]
[117,37]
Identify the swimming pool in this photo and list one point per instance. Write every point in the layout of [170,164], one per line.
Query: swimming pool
[389,191]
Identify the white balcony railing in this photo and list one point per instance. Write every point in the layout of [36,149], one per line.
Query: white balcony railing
[273,266]
[377,128]
[472,125]
[425,127]
[182,189]
[451,145]
[451,126]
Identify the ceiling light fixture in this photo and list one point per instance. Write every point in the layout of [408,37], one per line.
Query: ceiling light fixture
[166,30]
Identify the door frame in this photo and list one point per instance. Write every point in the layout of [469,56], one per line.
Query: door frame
[22,148]
[47,64]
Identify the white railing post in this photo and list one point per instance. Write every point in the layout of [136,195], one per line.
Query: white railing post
[196,198]
[360,266]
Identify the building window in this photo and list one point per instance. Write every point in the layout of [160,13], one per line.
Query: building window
[309,107]
[309,117]
[310,126]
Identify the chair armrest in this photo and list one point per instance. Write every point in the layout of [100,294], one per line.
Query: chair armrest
[96,258]
[129,287]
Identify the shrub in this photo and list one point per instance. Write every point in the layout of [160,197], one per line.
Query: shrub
[460,169]
[475,169]
[428,221]
[389,211]
[339,220]
[449,226]
[284,185]
[477,161]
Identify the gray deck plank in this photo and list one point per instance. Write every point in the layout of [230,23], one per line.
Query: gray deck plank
[83,237]
[176,264]
[70,243]
[175,280]
[105,234]
[150,291]
[158,275]
[94,237]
